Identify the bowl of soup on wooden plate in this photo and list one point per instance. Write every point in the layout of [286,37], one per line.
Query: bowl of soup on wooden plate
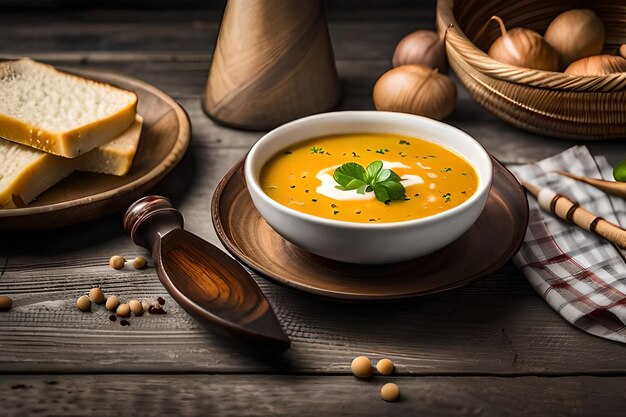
[369,187]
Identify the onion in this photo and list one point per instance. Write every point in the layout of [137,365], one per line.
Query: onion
[423,47]
[523,48]
[415,89]
[576,34]
[597,65]
[622,50]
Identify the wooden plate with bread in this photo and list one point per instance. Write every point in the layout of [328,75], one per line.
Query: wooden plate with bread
[82,143]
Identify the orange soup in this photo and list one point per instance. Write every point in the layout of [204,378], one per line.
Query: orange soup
[435,178]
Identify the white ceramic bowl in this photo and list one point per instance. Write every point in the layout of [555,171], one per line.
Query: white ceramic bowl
[367,243]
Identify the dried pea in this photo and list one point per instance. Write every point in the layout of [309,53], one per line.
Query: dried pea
[136,307]
[117,262]
[140,262]
[97,296]
[5,303]
[123,310]
[112,303]
[385,367]
[361,367]
[83,303]
[390,392]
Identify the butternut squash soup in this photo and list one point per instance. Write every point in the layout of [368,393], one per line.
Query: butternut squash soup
[368,177]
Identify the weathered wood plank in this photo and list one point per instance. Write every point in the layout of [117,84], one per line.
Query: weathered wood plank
[499,326]
[280,395]
[150,30]
[142,45]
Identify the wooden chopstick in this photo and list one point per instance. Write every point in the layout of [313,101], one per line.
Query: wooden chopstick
[610,187]
[567,210]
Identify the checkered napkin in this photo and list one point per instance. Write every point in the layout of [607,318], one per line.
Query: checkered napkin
[580,275]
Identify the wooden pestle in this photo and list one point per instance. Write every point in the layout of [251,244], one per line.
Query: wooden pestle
[567,210]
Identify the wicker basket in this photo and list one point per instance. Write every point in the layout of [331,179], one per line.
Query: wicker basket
[549,103]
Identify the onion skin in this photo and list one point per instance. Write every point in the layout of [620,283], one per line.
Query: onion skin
[523,48]
[622,50]
[423,47]
[576,34]
[597,65]
[415,89]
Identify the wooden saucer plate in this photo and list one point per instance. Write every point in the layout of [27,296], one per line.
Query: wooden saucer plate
[495,237]
[84,196]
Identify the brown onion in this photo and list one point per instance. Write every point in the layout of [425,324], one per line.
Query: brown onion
[523,48]
[597,65]
[423,47]
[415,89]
[576,34]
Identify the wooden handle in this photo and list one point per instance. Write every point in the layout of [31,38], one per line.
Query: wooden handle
[570,211]
[149,218]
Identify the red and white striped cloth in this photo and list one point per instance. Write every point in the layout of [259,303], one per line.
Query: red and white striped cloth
[580,275]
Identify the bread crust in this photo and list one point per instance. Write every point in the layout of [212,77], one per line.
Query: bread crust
[72,143]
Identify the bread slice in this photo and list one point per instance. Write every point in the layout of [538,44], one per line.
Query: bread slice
[60,113]
[27,172]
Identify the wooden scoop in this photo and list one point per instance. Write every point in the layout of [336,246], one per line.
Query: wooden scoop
[205,281]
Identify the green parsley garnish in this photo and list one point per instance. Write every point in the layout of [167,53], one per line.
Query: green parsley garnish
[447,197]
[446,170]
[385,183]
[382,151]
[404,142]
[315,149]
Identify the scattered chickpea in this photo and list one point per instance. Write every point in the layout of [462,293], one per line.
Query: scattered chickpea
[5,303]
[145,304]
[361,367]
[390,392]
[97,296]
[136,307]
[140,262]
[385,367]
[83,303]
[112,303]
[117,262]
[123,310]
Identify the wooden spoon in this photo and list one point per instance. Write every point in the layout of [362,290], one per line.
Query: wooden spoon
[204,280]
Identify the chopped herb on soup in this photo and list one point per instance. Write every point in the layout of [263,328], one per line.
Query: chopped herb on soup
[413,177]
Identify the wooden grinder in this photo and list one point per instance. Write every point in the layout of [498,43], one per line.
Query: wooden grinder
[273,63]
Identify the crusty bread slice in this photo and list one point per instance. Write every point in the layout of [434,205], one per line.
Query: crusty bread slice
[60,113]
[114,157]
[27,172]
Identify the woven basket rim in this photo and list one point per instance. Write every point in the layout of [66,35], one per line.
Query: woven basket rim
[480,61]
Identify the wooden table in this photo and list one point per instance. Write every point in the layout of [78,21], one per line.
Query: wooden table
[491,348]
